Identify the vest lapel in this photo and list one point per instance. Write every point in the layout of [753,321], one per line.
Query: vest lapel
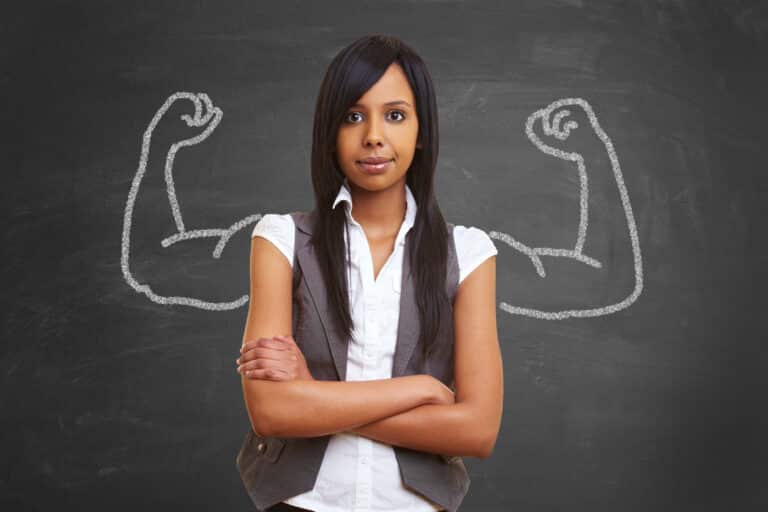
[408,323]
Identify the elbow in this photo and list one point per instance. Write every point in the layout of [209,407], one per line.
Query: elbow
[260,425]
[258,406]
[486,445]
[485,450]
[259,421]
[272,405]
[482,443]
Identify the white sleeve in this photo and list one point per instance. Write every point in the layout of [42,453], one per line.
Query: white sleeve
[278,229]
[473,246]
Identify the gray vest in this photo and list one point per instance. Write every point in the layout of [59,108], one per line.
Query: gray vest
[274,469]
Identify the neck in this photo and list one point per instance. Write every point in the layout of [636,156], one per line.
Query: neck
[381,212]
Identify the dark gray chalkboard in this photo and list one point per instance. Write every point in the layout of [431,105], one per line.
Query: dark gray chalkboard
[634,368]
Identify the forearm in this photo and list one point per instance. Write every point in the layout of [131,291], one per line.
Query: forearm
[444,429]
[312,408]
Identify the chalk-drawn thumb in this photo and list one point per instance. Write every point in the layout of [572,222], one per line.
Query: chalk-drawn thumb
[554,129]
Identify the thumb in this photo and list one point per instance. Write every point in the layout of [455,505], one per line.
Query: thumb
[288,340]
[291,345]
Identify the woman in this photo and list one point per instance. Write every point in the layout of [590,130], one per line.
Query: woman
[386,308]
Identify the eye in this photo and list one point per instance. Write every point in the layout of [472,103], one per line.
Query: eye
[354,112]
[347,120]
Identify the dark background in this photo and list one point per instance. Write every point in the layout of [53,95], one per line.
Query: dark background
[111,401]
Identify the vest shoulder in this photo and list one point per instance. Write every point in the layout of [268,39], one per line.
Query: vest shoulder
[303,220]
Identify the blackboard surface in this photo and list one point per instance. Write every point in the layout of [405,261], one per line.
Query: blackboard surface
[634,357]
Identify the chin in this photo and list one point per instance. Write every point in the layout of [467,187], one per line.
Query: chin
[375,183]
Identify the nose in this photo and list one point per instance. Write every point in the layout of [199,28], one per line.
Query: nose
[374,133]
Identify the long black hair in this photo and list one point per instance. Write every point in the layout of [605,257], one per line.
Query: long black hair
[351,73]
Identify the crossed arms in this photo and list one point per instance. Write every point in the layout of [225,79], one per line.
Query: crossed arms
[402,411]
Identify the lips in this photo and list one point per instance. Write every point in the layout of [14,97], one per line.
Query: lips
[374,160]
[369,167]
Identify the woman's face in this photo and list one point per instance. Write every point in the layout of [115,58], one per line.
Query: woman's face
[373,128]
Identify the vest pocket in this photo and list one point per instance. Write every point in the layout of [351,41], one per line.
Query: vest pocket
[268,448]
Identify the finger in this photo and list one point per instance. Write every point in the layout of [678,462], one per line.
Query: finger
[248,348]
[267,373]
[262,353]
[274,359]
[284,344]
[290,345]
[277,354]
[251,344]
[278,373]
[273,343]
[257,365]
[259,374]
[287,339]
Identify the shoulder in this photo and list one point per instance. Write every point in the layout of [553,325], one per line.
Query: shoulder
[273,223]
[473,246]
[278,229]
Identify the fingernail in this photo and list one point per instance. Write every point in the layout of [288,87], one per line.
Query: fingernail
[237,361]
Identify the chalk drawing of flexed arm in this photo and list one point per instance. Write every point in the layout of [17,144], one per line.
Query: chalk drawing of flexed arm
[556,122]
[206,117]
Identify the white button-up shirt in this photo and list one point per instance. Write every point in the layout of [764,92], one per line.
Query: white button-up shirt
[359,474]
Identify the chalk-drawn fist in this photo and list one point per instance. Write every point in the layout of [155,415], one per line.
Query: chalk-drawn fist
[196,112]
[563,128]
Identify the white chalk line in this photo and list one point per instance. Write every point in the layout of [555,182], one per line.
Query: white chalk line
[561,132]
[205,111]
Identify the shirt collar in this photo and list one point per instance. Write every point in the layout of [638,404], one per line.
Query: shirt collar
[345,195]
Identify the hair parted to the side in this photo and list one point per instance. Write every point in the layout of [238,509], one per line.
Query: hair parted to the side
[350,74]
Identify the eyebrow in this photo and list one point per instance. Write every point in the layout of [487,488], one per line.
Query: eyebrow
[389,103]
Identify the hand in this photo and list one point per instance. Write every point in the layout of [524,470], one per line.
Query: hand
[442,394]
[277,358]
